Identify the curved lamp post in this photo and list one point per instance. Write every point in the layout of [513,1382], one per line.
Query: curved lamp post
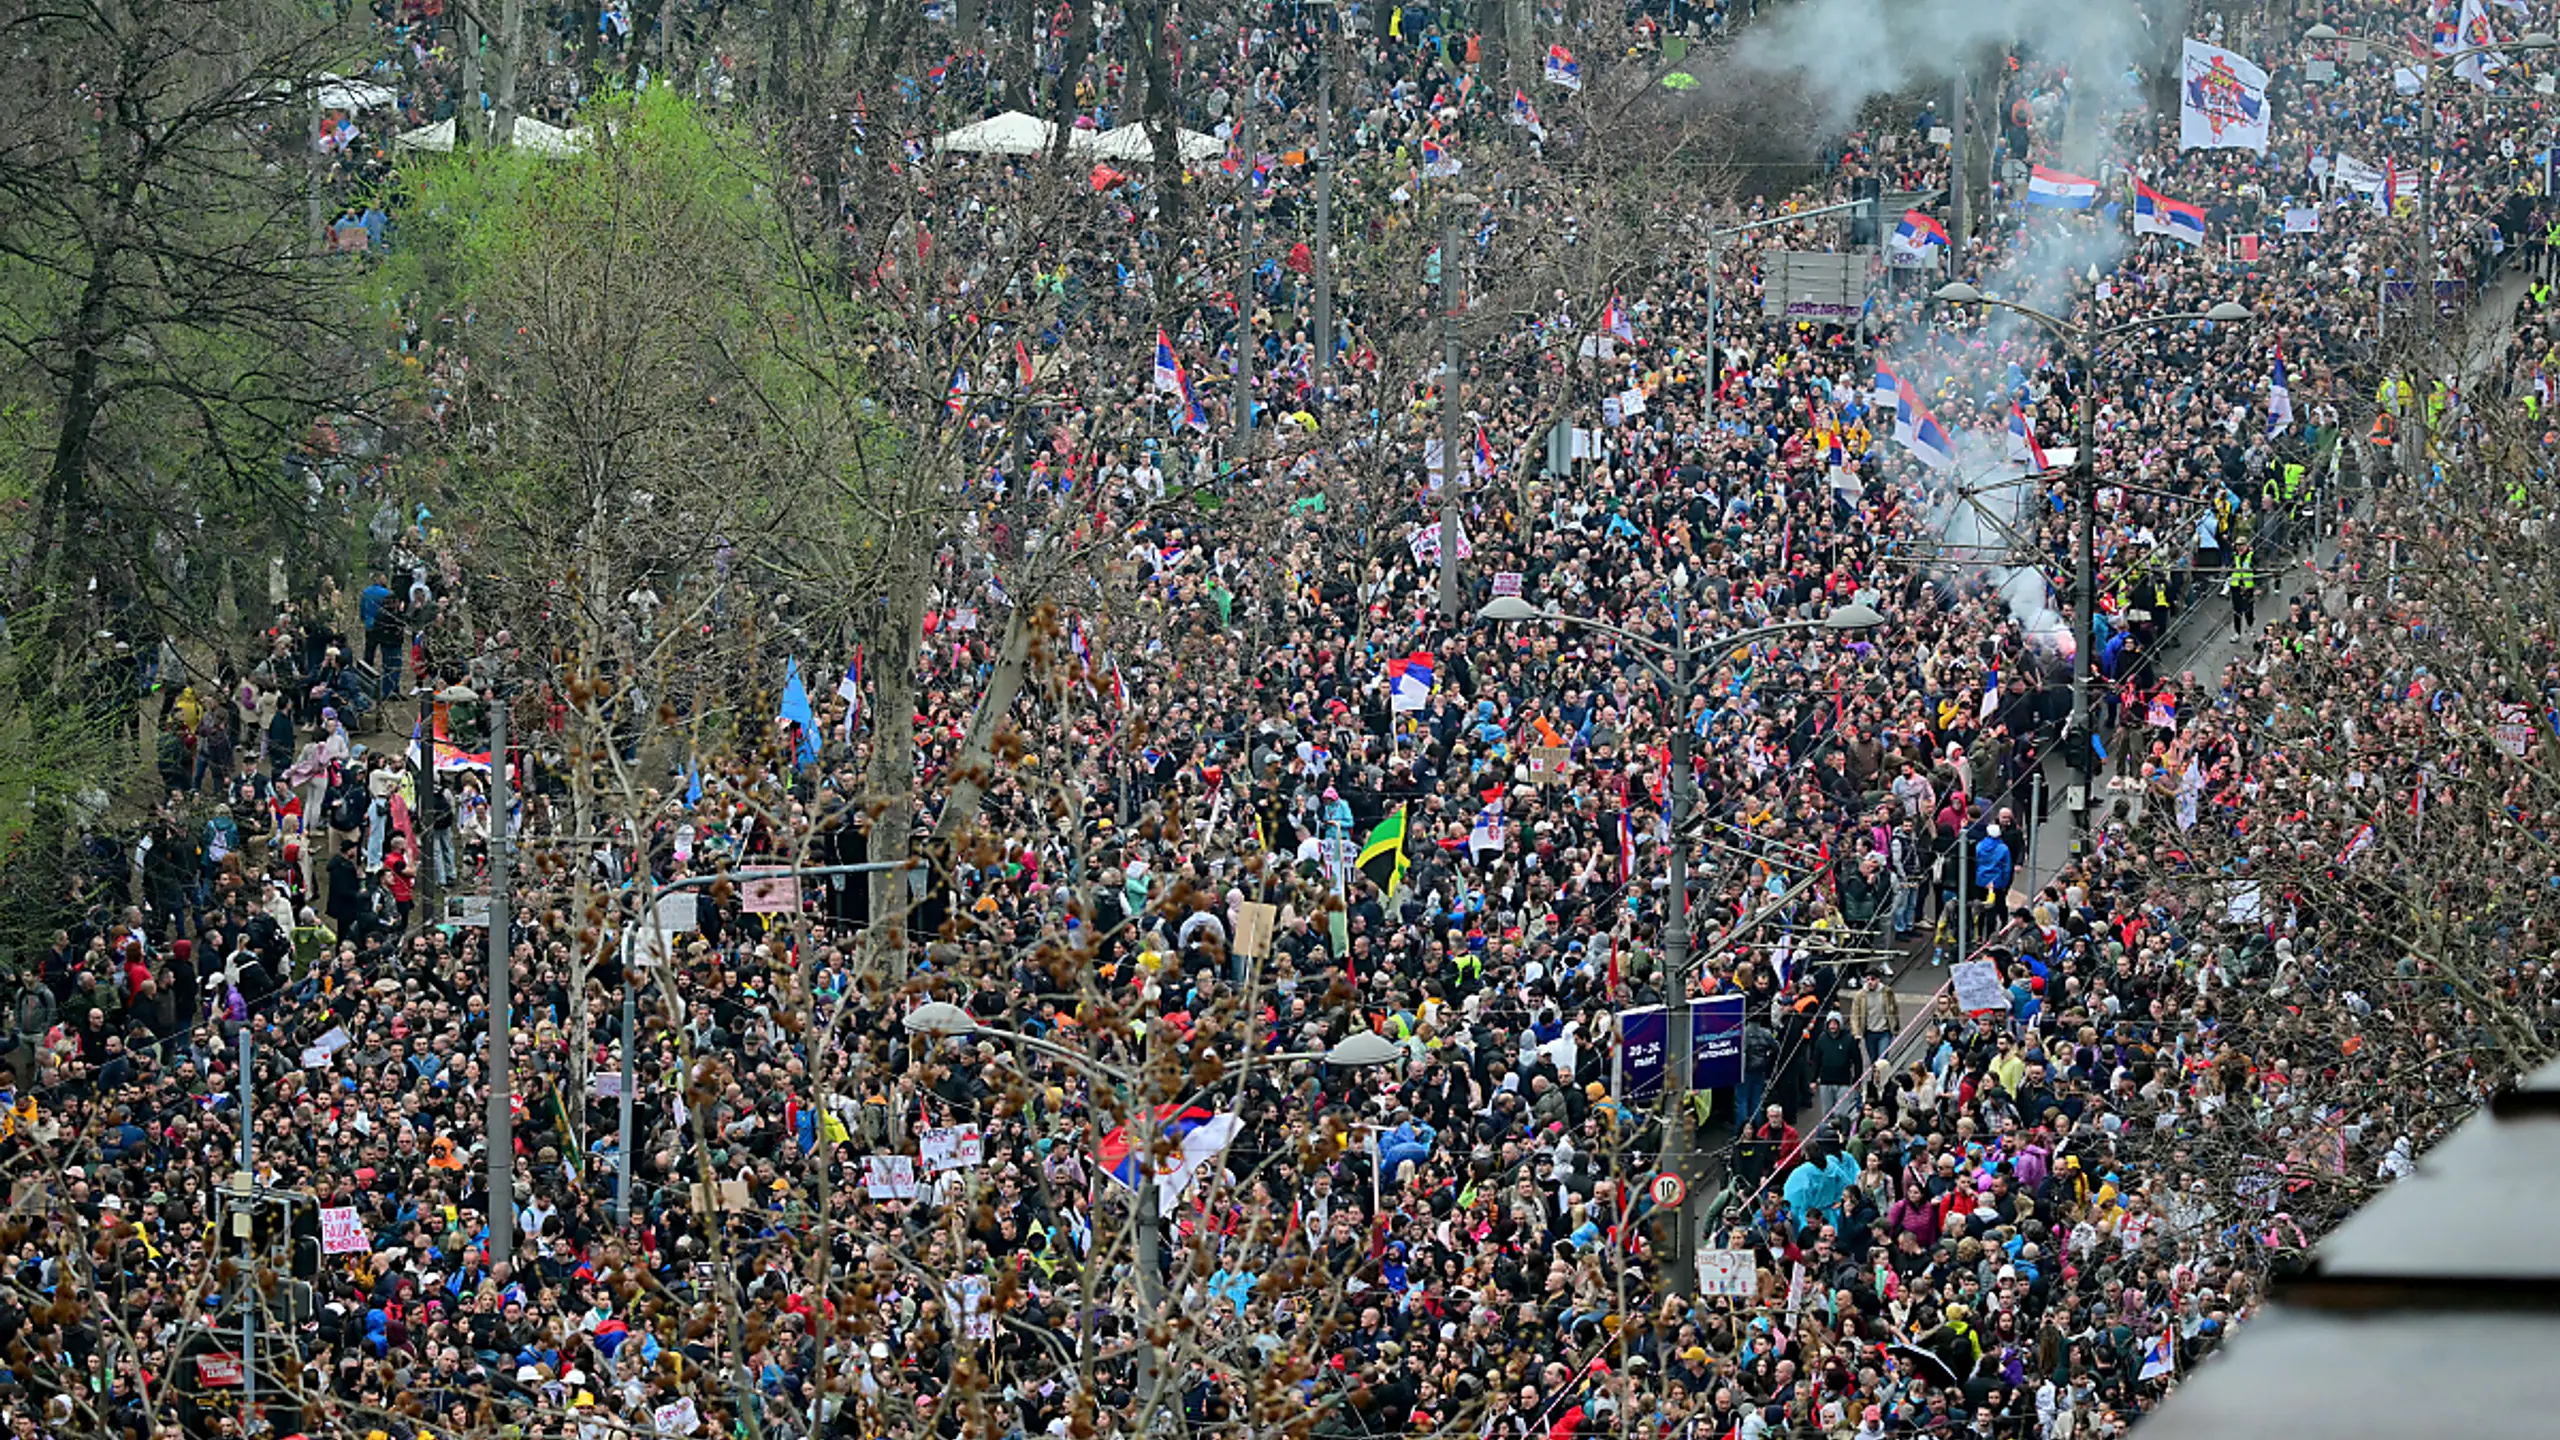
[1678,1153]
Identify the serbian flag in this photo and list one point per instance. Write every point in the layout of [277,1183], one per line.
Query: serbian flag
[1626,846]
[2023,449]
[1023,369]
[1918,232]
[1614,320]
[1888,391]
[1562,68]
[2060,189]
[1919,431]
[1197,1135]
[1409,680]
[1525,115]
[1168,369]
[2157,214]
[1484,455]
[959,400]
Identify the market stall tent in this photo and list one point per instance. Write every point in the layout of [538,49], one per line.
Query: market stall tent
[1011,133]
[1132,142]
[530,134]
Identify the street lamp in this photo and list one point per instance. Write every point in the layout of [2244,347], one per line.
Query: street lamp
[1682,679]
[500,1119]
[2082,343]
[940,1019]
[1455,207]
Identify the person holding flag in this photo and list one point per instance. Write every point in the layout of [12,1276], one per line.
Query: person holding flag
[1382,858]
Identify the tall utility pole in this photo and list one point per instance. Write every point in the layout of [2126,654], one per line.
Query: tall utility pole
[2084,594]
[501,1122]
[248,1245]
[1324,198]
[1680,1274]
[1960,203]
[1455,210]
[1247,261]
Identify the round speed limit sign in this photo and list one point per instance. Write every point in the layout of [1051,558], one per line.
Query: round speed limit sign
[1667,1190]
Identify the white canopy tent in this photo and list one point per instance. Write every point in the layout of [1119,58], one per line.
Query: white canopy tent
[1011,133]
[1132,142]
[530,134]
[336,92]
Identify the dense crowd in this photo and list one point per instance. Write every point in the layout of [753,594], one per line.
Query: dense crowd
[2022,1221]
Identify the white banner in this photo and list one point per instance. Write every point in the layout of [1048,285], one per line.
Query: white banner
[952,1147]
[2222,101]
[1728,1272]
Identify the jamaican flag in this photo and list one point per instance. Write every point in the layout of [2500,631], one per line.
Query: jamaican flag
[1382,859]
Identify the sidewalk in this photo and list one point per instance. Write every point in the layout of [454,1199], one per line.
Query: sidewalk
[2204,642]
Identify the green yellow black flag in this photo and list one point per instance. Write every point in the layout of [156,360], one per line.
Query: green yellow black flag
[1382,859]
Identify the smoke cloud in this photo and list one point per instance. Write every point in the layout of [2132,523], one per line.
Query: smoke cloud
[1846,52]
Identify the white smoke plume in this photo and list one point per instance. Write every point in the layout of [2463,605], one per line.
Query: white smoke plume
[1849,51]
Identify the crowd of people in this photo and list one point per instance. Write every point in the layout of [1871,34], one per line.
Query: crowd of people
[2023,1219]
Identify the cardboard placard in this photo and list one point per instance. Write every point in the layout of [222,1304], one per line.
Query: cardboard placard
[1978,987]
[1254,924]
[1547,763]
[770,895]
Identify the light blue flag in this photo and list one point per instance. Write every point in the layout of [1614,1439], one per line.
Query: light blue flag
[795,708]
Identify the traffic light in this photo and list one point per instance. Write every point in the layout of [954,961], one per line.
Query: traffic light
[1866,223]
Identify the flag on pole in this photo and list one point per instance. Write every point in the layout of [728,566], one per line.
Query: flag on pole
[2023,449]
[959,398]
[1525,115]
[1168,369]
[2222,100]
[1409,681]
[1919,431]
[1382,859]
[850,689]
[795,709]
[2480,62]
[1614,320]
[2157,214]
[1562,68]
[2160,1357]
[1023,369]
[1487,832]
[1917,233]
[1887,394]
[1626,846]
[2060,190]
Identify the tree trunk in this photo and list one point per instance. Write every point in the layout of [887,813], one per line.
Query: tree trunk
[66,484]
[506,51]
[1062,106]
[891,775]
[976,766]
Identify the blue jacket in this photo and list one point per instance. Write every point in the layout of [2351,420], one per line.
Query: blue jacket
[1409,1141]
[1992,864]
